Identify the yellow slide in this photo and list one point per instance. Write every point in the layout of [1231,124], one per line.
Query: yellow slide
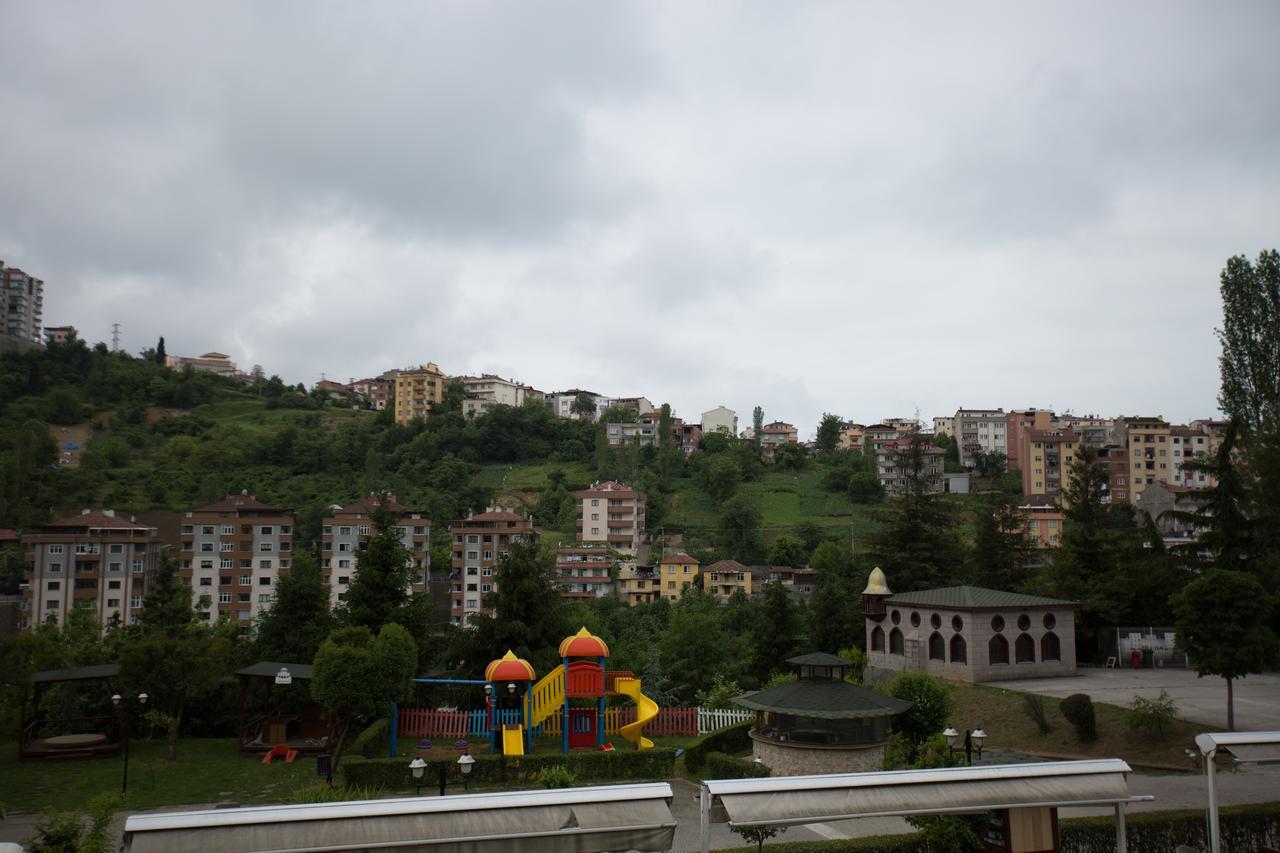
[512,740]
[646,710]
[547,696]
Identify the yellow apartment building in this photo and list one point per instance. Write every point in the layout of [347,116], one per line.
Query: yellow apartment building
[418,390]
[638,584]
[1150,453]
[725,577]
[675,573]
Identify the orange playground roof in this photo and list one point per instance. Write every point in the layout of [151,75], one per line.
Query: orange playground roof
[509,668]
[584,644]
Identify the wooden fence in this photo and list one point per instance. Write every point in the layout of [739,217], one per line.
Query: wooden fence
[670,722]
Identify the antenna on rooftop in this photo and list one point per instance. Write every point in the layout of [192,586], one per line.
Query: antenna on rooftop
[115,337]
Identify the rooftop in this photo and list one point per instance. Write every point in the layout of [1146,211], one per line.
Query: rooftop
[827,700]
[679,558]
[241,502]
[100,520]
[974,598]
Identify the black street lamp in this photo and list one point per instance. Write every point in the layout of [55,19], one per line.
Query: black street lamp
[418,767]
[973,740]
[119,702]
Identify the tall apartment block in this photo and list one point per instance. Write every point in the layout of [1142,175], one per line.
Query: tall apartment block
[584,571]
[347,533]
[479,541]
[612,513]
[21,305]
[980,429]
[1046,456]
[1150,453]
[487,390]
[234,552]
[418,390]
[97,560]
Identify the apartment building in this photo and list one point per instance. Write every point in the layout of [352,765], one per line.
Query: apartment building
[776,434]
[944,425]
[982,430]
[97,559]
[1045,520]
[21,305]
[487,390]
[638,406]
[1114,459]
[725,577]
[59,334]
[1185,444]
[209,362]
[561,402]
[675,573]
[798,582]
[1150,452]
[377,392]
[234,552]
[851,436]
[1046,456]
[585,571]
[612,513]
[903,425]
[642,432]
[639,584]
[687,436]
[479,541]
[894,464]
[720,419]
[1017,423]
[346,533]
[418,390]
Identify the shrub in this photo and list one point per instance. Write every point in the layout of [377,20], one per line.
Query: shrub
[1034,706]
[1154,716]
[1243,828]
[721,766]
[931,705]
[758,835]
[719,694]
[731,739]
[322,793]
[375,740]
[1078,710]
[608,765]
[557,776]
[858,658]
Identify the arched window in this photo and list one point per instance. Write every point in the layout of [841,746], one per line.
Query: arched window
[877,639]
[937,647]
[998,650]
[895,642]
[1024,649]
[1050,647]
[959,652]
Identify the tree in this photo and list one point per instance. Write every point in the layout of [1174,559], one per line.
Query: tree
[836,607]
[455,395]
[739,530]
[865,488]
[721,476]
[791,457]
[299,618]
[829,429]
[380,586]
[1222,513]
[758,835]
[528,613]
[1001,549]
[1221,623]
[757,427]
[166,607]
[932,705]
[160,353]
[917,545]
[776,634]
[1250,337]
[584,406]
[788,550]
[357,675]
[695,649]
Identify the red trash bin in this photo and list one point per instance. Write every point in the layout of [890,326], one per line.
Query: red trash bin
[1135,659]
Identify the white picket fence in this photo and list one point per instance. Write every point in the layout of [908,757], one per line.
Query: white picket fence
[710,719]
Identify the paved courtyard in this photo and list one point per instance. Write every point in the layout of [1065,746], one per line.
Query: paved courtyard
[1200,699]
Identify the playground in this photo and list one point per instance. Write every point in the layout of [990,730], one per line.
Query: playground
[579,704]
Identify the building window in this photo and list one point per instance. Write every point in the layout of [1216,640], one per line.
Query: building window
[937,647]
[224,598]
[344,564]
[264,546]
[1050,648]
[1024,649]
[895,642]
[246,580]
[53,585]
[115,567]
[266,531]
[264,564]
[264,581]
[1049,622]
[915,619]
[959,651]
[1024,622]
[226,564]
[55,568]
[998,650]
[957,624]
[206,581]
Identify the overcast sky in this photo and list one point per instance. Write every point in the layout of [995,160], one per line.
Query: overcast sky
[868,209]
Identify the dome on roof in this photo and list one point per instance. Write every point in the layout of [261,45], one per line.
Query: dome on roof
[509,668]
[584,644]
[877,584]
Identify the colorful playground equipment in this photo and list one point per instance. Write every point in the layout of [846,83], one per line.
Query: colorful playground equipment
[577,689]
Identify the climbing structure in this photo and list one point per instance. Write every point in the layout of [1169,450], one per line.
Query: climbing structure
[517,672]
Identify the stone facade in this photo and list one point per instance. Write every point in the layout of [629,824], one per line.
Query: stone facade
[959,643]
[801,759]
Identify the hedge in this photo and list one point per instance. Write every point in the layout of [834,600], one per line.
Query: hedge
[721,766]
[374,740]
[1244,828]
[731,739]
[603,766]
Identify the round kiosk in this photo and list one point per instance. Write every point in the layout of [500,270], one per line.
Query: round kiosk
[820,723]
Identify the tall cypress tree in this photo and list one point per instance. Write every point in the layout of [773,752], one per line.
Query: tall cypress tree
[379,588]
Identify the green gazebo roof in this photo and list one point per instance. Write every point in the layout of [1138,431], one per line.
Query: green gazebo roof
[819,659]
[973,598]
[827,700]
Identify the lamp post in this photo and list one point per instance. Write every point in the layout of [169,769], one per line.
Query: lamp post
[465,763]
[124,706]
[284,677]
[973,740]
[417,767]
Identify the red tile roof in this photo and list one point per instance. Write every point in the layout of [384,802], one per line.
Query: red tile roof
[494,515]
[7,535]
[98,519]
[366,506]
[232,503]
[679,558]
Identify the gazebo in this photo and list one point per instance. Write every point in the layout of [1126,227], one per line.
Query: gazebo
[69,737]
[820,723]
[308,730]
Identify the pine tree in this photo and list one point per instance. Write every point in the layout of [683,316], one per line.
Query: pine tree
[777,634]
[166,607]
[380,586]
[160,354]
[299,618]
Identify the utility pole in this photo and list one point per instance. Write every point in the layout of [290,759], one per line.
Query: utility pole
[115,337]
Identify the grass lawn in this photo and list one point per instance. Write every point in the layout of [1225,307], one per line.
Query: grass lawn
[1000,712]
[207,771]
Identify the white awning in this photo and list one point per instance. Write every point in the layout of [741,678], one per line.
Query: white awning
[1247,747]
[615,817]
[806,799]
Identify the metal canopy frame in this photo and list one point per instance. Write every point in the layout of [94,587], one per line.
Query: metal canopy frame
[1209,745]
[1111,770]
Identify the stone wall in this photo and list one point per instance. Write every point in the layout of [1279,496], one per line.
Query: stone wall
[794,759]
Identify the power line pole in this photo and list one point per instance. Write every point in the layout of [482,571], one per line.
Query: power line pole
[115,337]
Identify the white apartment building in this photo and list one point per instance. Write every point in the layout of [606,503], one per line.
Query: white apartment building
[980,429]
[486,391]
[722,419]
[21,305]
